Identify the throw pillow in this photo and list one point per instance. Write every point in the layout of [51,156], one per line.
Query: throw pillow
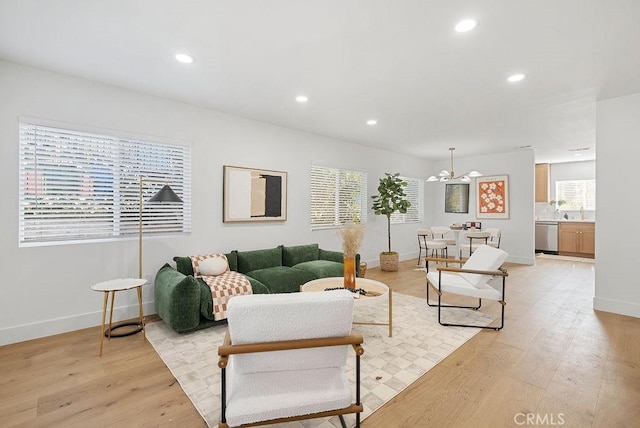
[197,261]
[213,266]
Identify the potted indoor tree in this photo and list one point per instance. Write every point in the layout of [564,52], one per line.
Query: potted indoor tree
[390,199]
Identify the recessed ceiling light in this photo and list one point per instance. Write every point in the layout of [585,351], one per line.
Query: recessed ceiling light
[184,58]
[466,25]
[516,78]
[302,98]
[371,122]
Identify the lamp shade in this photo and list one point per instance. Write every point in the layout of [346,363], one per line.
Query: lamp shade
[166,194]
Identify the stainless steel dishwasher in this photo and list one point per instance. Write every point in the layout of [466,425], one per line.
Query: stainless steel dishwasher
[547,237]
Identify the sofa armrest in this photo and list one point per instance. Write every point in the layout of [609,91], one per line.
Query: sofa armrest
[177,299]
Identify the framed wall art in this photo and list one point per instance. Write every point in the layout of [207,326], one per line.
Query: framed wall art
[456,198]
[492,197]
[251,194]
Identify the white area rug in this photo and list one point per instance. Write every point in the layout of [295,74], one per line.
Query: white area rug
[388,366]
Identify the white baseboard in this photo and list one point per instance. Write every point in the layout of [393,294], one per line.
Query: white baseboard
[617,307]
[21,333]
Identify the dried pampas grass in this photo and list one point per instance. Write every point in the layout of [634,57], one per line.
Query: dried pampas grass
[352,236]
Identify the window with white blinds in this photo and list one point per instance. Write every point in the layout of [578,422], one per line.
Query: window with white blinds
[415,194]
[338,197]
[79,186]
[576,194]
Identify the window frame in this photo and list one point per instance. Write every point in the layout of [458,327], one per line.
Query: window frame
[79,185]
[584,204]
[331,180]
[417,203]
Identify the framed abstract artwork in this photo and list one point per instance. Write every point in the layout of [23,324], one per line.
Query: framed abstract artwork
[492,194]
[456,198]
[251,194]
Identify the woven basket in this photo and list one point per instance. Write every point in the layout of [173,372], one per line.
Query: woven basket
[389,262]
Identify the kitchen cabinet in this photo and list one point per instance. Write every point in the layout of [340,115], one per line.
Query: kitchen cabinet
[542,182]
[577,239]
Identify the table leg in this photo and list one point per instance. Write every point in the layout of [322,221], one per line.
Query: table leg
[390,313]
[144,335]
[113,297]
[104,314]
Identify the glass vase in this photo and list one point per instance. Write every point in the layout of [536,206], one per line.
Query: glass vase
[350,272]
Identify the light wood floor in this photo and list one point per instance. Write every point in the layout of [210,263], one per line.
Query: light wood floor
[556,359]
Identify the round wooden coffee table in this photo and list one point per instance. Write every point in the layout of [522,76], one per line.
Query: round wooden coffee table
[377,292]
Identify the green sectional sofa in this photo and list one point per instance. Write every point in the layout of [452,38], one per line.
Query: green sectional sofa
[185,302]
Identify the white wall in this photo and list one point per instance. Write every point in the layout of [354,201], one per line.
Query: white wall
[518,230]
[618,228]
[45,290]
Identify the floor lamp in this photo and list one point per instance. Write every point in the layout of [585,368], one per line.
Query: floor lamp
[166,194]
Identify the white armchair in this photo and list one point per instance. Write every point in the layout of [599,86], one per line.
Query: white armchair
[471,280]
[305,378]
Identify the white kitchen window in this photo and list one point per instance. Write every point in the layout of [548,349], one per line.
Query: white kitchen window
[80,186]
[415,194]
[338,197]
[577,194]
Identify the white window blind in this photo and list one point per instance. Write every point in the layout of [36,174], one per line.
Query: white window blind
[78,186]
[338,197]
[415,194]
[577,194]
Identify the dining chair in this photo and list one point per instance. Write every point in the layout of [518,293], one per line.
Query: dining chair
[427,242]
[471,240]
[495,238]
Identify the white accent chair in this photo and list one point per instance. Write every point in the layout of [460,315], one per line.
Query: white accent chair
[305,378]
[471,280]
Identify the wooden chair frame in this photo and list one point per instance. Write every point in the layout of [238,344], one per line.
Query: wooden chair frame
[227,349]
[501,272]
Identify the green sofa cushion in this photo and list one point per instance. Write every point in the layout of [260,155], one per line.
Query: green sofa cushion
[322,268]
[249,261]
[183,265]
[335,256]
[291,256]
[177,298]
[282,279]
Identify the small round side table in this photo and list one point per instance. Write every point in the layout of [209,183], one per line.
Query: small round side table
[111,287]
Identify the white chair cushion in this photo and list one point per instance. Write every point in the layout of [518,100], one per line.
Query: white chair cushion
[260,318]
[436,245]
[483,258]
[263,396]
[456,284]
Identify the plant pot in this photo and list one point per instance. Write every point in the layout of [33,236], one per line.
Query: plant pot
[389,261]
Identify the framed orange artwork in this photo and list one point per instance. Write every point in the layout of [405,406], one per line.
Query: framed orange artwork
[492,197]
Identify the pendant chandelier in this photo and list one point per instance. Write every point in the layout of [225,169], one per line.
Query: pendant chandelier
[445,175]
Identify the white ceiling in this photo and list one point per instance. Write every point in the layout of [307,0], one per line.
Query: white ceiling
[399,61]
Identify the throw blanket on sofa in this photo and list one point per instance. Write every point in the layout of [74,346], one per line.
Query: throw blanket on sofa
[224,287]
[224,283]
